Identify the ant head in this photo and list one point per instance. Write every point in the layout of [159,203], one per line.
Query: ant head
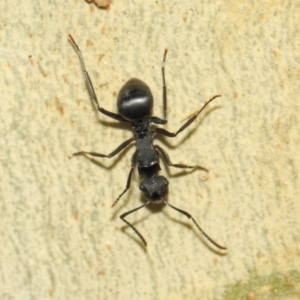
[155,188]
[135,100]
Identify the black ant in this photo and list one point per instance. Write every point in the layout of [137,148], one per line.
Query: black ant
[135,102]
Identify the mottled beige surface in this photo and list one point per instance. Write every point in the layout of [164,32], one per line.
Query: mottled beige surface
[59,237]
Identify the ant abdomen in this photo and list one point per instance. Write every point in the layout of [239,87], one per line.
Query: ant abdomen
[135,100]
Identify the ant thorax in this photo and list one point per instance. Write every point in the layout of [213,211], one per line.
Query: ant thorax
[142,129]
[147,157]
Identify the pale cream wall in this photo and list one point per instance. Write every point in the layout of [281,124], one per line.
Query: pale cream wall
[59,237]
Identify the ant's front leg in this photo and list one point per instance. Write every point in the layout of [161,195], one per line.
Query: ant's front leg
[188,215]
[129,224]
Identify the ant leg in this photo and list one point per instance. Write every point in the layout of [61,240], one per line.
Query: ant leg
[133,163]
[169,163]
[187,123]
[164,85]
[201,230]
[134,229]
[157,120]
[116,151]
[90,85]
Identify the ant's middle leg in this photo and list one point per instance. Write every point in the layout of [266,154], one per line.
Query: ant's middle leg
[181,166]
[116,151]
[187,123]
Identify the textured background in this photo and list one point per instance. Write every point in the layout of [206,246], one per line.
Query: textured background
[59,237]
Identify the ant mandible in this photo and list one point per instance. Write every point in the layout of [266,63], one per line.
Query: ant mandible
[135,102]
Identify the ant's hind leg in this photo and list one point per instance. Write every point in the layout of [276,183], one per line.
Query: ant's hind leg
[181,166]
[90,85]
[157,120]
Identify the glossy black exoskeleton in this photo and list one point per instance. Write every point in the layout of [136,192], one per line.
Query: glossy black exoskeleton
[135,103]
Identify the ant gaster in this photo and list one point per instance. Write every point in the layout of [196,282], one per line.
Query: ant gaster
[135,103]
